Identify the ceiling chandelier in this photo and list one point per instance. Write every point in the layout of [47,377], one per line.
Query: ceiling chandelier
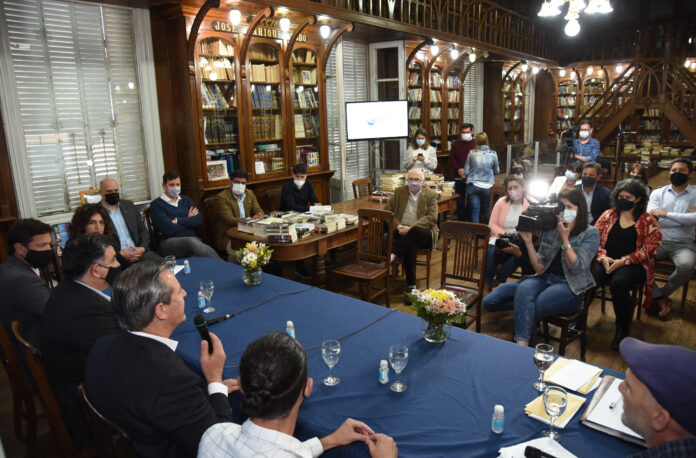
[553,8]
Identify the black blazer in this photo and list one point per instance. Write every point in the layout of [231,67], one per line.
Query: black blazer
[148,390]
[135,223]
[600,200]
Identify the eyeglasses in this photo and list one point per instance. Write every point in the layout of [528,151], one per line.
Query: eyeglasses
[414,180]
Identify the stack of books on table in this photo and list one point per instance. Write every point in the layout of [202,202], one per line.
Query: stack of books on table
[447,188]
[304,230]
[391,181]
[350,219]
[381,196]
[336,220]
[261,226]
[281,233]
[247,225]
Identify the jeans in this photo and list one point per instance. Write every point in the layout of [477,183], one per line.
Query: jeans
[479,203]
[406,247]
[460,188]
[620,283]
[186,247]
[532,299]
[507,262]
[683,255]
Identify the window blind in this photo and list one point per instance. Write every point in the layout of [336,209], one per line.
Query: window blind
[472,97]
[76,84]
[355,80]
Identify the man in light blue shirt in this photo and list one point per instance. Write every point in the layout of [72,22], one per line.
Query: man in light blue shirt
[585,148]
[675,208]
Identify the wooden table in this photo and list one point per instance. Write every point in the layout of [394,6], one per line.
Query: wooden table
[318,245]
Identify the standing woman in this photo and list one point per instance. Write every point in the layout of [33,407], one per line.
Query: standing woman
[480,170]
[420,153]
[628,242]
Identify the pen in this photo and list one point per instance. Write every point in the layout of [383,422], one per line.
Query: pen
[613,403]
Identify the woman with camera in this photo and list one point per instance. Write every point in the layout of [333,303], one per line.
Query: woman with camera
[628,242]
[479,170]
[562,267]
[506,213]
[420,154]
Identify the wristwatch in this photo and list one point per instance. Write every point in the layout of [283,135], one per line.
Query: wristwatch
[565,246]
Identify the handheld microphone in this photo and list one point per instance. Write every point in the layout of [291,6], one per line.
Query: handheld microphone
[533,452]
[220,318]
[202,327]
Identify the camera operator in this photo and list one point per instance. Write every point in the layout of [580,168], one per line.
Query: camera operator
[585,148]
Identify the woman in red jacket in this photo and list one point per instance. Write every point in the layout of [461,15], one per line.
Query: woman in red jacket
[628,242]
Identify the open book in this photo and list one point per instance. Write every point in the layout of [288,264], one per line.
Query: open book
[604,412]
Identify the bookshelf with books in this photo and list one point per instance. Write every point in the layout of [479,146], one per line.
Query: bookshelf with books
[435,106]
[453,88]
[566,108]
[306,108]
[513,109]
[592,89]
[415,96]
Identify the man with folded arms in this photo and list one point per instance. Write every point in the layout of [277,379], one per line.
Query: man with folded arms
[274,383]
[659,400]
[138,381]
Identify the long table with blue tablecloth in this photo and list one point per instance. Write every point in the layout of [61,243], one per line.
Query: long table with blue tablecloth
[452,387]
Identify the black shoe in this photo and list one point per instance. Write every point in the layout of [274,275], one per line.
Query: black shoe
[621,334]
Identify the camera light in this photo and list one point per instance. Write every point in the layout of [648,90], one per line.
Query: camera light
[538,188]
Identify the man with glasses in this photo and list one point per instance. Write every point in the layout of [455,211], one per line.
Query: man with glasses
[585,148]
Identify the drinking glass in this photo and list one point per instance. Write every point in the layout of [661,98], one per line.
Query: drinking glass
[207,288]
[555,402]
[170,261]
[330,352]
[398,358]
[543,357]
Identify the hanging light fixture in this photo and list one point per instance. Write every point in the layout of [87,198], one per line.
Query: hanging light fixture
[524,66]
[535,70]
[325,31]
[454,53]
[619,68]
[420,55]
[472,55]
[573,75]
[562,72]
[572,28]
[235,17]
[434,48]
[687,62]
[590,70]
[552,8]
[284,24]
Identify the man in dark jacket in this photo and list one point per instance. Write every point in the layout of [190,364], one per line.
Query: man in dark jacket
[298,194]
[596,195]
[458,154]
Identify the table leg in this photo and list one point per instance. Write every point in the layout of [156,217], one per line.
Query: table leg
[319,271]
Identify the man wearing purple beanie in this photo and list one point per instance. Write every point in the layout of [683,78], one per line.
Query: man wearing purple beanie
[659,397]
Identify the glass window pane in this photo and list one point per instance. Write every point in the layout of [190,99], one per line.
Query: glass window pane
[387,63]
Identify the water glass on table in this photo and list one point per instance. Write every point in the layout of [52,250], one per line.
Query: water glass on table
[170,262]
[331,352]
[207,288]
[555,402]
[543,357]
[398,358]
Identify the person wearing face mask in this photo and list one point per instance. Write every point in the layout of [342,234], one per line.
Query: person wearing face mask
[518,169]
[480,170]
[298,194]
[562,267]
[231,205]
[596,195]
[504,219]
[459,151]
[585,148]
[420,154]
[77,314]
[628,242]
[24,293]
[415,218]
[570,177]
[675,207]
[174,221]
[129,230]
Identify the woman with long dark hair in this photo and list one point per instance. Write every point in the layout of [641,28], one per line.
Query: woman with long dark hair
[94,219]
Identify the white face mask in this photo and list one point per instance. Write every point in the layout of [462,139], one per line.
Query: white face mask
[238,188]
[570,175]
[584,134]
[466,137]
[420,141]
[299,183]
[174,191]
[515,195]
[569,215]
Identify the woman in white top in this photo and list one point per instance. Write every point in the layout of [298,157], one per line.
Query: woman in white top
[420,153]
[570,178]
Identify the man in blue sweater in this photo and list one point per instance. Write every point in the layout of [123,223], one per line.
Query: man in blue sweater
[174,221]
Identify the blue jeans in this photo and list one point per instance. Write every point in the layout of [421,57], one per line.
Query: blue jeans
[533,298]
[460,189]
[507,262]
[479,203]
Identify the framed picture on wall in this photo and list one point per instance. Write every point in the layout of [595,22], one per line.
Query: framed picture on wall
[217,170]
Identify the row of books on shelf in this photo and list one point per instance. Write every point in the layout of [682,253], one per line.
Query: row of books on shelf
[570,89]
[453,96]
[263,52]
[652,112]
[263,73]
[435,112]
[217,69]
[221,162]
[566,112]
[218,129]
[435,79]
[305,100]
[415,95]
[435,96]
[651,124]
[412,129]
[304,56]
[217,47]
[307,154]
[304,75]
[214,97]
[452,81]
[566,101]
[265,161]
[563,124]
[261,97]
[591,99]
[414,112]
[306,125]
[266,127]
[452,128]
[435,129]
[414,78]
[594,90]
[453,113]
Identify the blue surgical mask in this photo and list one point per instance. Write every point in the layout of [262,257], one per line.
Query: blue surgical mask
[570,175]
[420,141]
[569,215]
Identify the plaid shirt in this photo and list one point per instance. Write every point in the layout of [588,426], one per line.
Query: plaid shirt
[674,449]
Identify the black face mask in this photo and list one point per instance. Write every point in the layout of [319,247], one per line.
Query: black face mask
[39,259]
[111,199]
[625,204]
[678,178]
[517,170]
[112,275]
[588,182]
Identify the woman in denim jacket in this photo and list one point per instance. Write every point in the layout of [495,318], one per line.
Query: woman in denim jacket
[562,267]
[479,170]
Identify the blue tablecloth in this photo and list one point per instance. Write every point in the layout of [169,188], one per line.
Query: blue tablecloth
[452,387]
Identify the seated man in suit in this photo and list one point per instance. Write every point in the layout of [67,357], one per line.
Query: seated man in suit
[659,397]
[174,221]
[77,314]
[273,379]
[138,381]
[128,226]
[231,205]
[415,217]
[24,293]
[596,195]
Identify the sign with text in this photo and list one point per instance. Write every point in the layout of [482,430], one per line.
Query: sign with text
[268,28]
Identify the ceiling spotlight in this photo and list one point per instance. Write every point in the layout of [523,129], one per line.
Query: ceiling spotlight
[524,66]
[472,55]
[420,55]
[454,53]
[619,68]
[562,72]
[572,28]
[535,70]
[573,75]
[434,49]
[590,70]
[324,31]
[235,17]
[284,24]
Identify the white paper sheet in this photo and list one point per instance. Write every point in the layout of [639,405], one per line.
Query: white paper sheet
[259,167]
[574,375]
[545,444]
[320,209]
[611,418]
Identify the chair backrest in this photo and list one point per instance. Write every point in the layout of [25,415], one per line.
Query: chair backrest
[52,273]
[271,199]
[21,393]
[468,243]
[148,222]
[90,196]
[32,362]
[120,444]
[209,221]
[362,187]
[371,241]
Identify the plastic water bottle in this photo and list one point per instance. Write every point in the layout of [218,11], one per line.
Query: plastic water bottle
[201,300]
[498,422]
[187,268]
[290,329]
[383,372]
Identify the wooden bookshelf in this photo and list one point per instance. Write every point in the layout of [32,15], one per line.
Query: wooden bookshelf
[566,108]
[306,109]
[435,106]
[453,89]
[414,75]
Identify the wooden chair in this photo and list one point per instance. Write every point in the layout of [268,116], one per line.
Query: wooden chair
[120,444]
[90,196]
[23,406]
[428,253]
[208,227]
[564,322]
[469,245]
[636,297]
[150,228]
[372,254]
[63,443]
[362,187]
[663,269]
[271,199]
[52,273]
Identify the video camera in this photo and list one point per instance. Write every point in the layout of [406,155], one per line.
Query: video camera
[506,239]
[567,138]
[540,216]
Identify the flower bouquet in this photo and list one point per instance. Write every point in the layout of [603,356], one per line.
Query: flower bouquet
[252,257]
[438,308]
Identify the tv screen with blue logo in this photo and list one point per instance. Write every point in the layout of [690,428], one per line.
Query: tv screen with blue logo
[376,120]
